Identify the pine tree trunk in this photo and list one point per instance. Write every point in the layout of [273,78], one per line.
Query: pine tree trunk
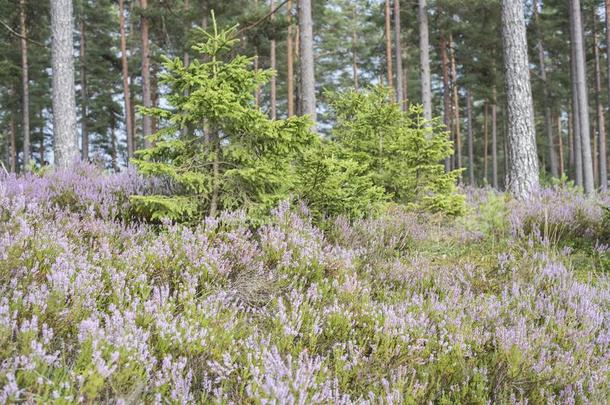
[354,52]
[575,145]
[146,94]
[522,177]
[272,57]
[485,141]
[12,139]
[604,147]
[446,92]
[83,89]
[398,55]
[25,85]
[424,49]
[470,140]
[494,139]
[388,43]
[548,124]
[41,146]
[126,90]
[581,89]
[456,107]
[113,144]
[154,97]
[308,85]
[602,167]
[560,138]
[64,104]
[290,64]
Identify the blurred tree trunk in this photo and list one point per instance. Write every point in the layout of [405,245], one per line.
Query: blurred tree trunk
[388,43]
[64,104]
[523,176]
[548,124]
[147,126]
[83,90]
[456,107]
[306,60]
[581,91]
[446,93]
[602,167]
[272,56]
[126,90]
[560,138]
[494,139]
[290,63]
[424,52]
[470,140]
[25,83]
[398,54]
[485,140]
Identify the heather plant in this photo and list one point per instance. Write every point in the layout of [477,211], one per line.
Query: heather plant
[402,308]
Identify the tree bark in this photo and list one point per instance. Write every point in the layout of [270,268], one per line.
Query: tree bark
[581,89]
[470,140]
[308,85]
[388,43]
[560,138]
[25,84]
[290,64]
[113,143]
[64,104]
[273,92]
[126,90]
[354,52]
[494,139]
[83,90]
[12,138]
[604,147]
[146,94]
[446,93]
[602,167]
[456,107]
[575,144]
[424,52]
[522,177]
[548,124]
[398,54]
[485,141]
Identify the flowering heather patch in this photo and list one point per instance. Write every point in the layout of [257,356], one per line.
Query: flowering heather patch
[97,309]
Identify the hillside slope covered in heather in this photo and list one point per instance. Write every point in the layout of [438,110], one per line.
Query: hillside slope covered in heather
[510,303]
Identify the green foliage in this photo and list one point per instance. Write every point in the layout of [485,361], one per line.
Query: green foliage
[218,150]
[400,150]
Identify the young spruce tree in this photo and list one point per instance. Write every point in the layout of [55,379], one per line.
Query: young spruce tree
[217,149]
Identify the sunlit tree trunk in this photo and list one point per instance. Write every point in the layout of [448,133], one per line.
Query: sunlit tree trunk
[494,139]
[456,107]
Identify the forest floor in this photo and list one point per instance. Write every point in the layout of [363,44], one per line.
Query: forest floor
[509,303]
